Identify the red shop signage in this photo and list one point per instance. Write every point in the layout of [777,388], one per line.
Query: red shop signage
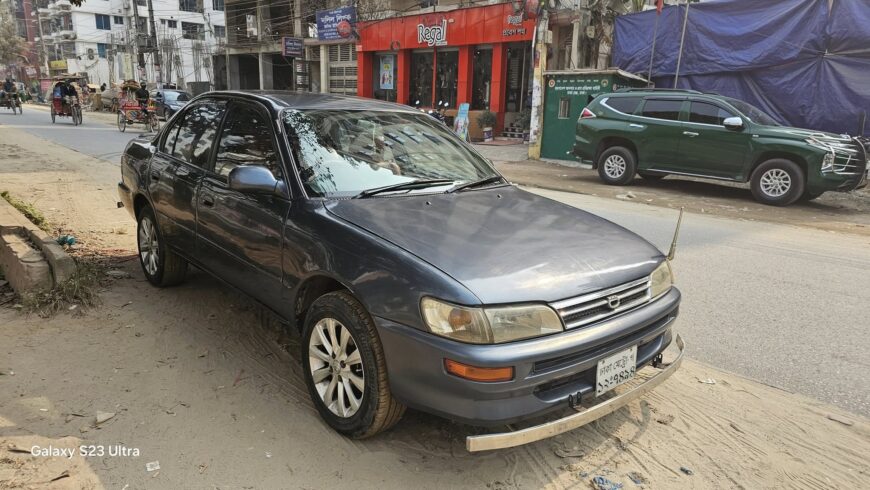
[477,25]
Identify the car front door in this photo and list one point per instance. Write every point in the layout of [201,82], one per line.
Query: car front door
[177,167]
[707,147]
[657,132]
[238,233]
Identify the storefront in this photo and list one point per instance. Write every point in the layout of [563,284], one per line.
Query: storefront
[478,55]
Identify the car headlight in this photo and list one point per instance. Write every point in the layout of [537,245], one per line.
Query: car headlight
[661,279]
[489,325]
[828,162]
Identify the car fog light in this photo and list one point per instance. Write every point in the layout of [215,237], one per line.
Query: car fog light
[475,373]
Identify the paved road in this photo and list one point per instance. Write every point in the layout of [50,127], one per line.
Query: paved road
[781,304]
[95,137]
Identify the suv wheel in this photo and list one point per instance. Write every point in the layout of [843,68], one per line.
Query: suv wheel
[616,165]
[345,369]
[777,182]
[162,266]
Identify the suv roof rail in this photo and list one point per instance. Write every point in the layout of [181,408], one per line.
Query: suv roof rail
[680,90]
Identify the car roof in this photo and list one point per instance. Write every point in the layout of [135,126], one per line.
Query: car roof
[285,99]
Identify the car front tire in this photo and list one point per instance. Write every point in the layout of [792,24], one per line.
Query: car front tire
[617,165]
[777,182]
[345,368]
[161,266]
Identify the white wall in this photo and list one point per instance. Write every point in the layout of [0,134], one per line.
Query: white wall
[88,36]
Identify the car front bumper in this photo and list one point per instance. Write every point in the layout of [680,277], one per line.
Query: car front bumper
[547,370]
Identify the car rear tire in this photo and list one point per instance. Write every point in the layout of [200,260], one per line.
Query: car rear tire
[345,368]
[616,165]
[161,266]
[777,182]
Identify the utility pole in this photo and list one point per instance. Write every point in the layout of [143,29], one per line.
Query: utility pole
[156,51]
[141,55]
[682,39]
[47,73]
[539,54]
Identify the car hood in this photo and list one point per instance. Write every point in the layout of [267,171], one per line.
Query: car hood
[803,134]
[504,244]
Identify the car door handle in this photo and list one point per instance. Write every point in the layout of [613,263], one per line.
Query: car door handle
[633,125]
[207,201]
[155,176]
[182,171]
[690,134]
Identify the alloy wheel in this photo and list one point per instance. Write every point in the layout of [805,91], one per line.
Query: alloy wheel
[776,182]
[336,367]
[149,245]
[614,166]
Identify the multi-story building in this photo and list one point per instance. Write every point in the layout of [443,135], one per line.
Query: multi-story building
[107,39]
[26,66]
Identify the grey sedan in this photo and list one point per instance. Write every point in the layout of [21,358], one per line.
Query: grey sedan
[415,273]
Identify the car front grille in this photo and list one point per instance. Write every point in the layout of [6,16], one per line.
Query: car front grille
[595,307]
[850,157]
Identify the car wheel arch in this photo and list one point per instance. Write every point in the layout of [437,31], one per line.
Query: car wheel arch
[610,141]
[313,287]
[139,203]
[770,155]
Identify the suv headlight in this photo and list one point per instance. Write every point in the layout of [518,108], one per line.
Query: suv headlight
[489,325]
[661,279]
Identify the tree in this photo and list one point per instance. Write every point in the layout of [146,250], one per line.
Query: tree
[11,44]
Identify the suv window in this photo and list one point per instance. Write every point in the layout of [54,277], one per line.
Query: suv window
[246,140]
[662,109]
[196,134]
[706,113]
[626,105]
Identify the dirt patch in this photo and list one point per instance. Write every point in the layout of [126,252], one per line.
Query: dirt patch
[834,211]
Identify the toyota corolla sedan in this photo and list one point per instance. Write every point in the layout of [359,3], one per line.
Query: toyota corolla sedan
[415,273]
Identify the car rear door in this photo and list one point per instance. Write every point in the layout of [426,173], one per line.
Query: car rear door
[707,147]
[240,234]
[177,167]
[657,132]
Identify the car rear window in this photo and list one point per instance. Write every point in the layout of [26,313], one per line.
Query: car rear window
[662,109]
[626,105]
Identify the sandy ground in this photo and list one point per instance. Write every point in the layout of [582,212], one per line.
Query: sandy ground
[199,383]
[834,211]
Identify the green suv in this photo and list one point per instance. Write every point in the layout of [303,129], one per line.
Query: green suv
[655,132]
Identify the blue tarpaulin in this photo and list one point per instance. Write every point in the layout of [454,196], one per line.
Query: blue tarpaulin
[804,65]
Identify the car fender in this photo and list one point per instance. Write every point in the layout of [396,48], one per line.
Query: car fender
[389,281]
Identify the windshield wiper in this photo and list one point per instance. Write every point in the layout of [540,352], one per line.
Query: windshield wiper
[402,186]
[476,183]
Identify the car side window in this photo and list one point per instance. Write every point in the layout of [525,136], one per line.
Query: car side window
[706,113]
[625,105]
[662,109]
[246,140]
[197,132]
[171,134]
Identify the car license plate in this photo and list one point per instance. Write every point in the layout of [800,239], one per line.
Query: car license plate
[615,370]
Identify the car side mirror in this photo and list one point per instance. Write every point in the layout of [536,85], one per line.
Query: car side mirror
[733,123]
[254,179]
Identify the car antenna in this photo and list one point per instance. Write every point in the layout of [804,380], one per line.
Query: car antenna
[673,251]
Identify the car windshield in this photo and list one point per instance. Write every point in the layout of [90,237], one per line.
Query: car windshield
[177,96]
[753,113]
[342,153]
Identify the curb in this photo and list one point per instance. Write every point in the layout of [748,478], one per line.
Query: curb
[30,258]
